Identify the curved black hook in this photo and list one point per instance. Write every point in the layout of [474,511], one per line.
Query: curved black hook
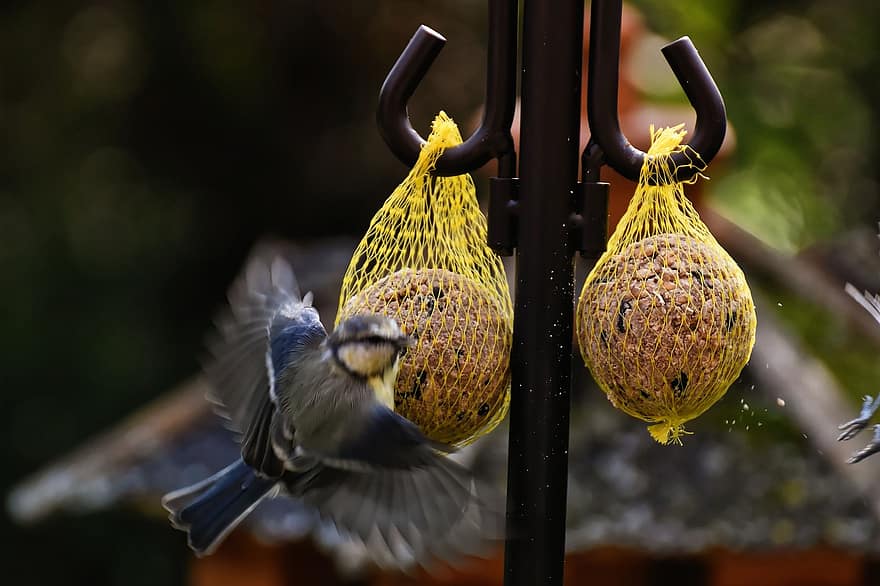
[492,138]
[692,74]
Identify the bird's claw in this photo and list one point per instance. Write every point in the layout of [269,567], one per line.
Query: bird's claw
[851,428]
[872,448]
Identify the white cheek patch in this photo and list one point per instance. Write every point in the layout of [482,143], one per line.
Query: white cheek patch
[366,359]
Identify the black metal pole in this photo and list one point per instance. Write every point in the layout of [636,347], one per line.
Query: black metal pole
[541,361]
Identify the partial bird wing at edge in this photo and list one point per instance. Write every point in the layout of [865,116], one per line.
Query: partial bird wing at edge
[870,302]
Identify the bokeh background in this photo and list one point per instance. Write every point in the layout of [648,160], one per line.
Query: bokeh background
[145,146]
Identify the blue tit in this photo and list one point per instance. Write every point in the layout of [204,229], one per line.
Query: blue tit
[316,421]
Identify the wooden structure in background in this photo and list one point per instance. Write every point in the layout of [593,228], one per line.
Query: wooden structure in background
[243,561]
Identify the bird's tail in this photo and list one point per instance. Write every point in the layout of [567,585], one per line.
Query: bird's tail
[210,509]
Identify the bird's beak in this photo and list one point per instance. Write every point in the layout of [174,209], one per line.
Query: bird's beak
[406,341]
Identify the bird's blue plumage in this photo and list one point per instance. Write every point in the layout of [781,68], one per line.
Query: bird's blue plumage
[290,336]
[388,440]
[211,508]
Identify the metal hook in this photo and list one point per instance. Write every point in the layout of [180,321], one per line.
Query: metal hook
[492,138]
[692,74]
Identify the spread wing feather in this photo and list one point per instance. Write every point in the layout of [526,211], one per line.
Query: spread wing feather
[244,361]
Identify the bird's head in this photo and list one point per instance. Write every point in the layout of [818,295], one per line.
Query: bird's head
[367,345]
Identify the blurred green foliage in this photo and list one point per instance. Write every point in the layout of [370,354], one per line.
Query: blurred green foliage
[801,87]
[144,146]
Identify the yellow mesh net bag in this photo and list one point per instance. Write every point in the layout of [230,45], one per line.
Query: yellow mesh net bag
[665,321]
[424,262]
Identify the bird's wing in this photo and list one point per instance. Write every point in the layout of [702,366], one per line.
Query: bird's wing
[404,500]
[870,302]
[244,360]
[389,440]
